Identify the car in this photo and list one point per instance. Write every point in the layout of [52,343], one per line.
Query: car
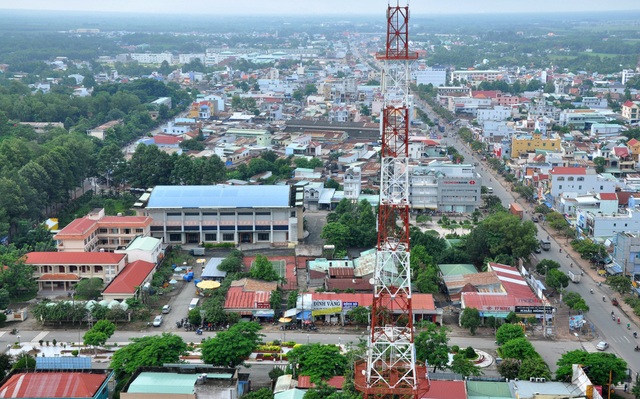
[166,309]
[534,219]
[537,249]
[602,345]
[158,321]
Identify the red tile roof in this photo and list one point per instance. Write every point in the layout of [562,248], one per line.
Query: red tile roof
[563,170]
[73,258]
[632,142]
[166,139]
[608,196]
[443,389]
[59,277]
[52,385]
[132,276]
[341,272]
[79,226]
[628,103]
[513,282]
[621,151]
[125,220]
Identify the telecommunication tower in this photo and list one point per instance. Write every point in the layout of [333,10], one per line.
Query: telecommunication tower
[390,368]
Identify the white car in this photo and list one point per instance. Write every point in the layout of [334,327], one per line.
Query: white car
[157,321]
[166,309]
[602,345]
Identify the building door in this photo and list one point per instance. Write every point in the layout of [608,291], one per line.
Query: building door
[245,238]
[193,238]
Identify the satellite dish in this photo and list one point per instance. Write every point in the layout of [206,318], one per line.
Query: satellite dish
[372,281]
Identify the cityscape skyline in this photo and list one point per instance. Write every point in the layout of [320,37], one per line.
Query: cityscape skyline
[327,7]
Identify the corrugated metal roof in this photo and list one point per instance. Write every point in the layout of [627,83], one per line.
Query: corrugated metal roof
[144,243]
[163,383]
[441,389]
[52,385]
[219,197]
[488,389]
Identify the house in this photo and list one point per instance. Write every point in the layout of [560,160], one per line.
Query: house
[100,132]
[62,270]
[86,384]
[129,281]
[148,249]
[249,297]
[631,111]
[98,232]
[528,143]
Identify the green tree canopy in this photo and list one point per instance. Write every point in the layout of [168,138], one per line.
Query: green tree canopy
[262,269]
[518,348]
[154,350]
[462,365]
[596,366]
[556,279]
[546,264]
[470,319]
[360,315]
[507,332]
[318,361]
[621,284]
[534,367]
[89,288]
[230,348]
[432,346]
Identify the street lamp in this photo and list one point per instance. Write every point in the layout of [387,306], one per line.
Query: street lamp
[18,339]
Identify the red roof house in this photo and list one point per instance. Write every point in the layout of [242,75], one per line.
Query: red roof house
[127,283]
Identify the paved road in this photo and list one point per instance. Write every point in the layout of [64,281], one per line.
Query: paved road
[619,337]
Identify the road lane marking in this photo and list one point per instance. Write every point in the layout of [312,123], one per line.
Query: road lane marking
[40,336]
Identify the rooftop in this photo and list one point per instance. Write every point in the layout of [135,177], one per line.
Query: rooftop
[143,244]
[132,276]
[163,383]
[73,258]
[53,385]
[219,197]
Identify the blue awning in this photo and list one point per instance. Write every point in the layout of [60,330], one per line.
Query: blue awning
[304,315]
[548,204]
[613,269]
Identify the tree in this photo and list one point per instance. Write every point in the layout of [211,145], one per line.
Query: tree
[575,301]
[89,288]
[275,302]
[596,366]
[262,393]
[318,361]
[462,365]
[470,319]
[556,279]
[534,367]
[292,299]
[518,348]
[507,332]
[432,346]
[99,333]
[336,234]
[321,391]
[151,351]
[509,368]
[232,263]
[621,284]
[194,316]
[6,361]
[24,361]
[230,348]
[636,388]
[359,315]
[262,269]
[546,264]
[4,299]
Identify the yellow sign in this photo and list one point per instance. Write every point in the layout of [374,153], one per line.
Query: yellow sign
[322,312]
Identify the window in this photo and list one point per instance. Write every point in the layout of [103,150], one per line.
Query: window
[263,213]
[175,237]
[192,213]
[227,214]
[174,214]
[580,179]
[263,236]
[561,178]
[228,237]
[245,213]
[210,213]
[293,214]
[139,231]
[570,178]
[560,187]
[210,237]
[579,187]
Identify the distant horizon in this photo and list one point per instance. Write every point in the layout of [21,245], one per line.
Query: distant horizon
[342,8]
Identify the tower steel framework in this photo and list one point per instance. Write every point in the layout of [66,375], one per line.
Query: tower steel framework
[390,368]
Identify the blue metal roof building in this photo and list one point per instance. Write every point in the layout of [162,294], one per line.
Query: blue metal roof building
[225,214]
[164,197]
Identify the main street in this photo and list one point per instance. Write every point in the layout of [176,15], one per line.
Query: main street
[620,339]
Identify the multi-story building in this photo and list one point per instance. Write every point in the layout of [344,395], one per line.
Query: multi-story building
[61,270]
[445,186]
[631,111]
[581,119]
[476,77]
[529,143]
[434,75]
[97,232]
[627,252]
[232,214]
[575,181]
[601,225]
[498,113]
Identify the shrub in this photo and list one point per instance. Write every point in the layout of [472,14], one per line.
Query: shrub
[469,353]
[41,342]
[74,353]
[54,342]
[455,349]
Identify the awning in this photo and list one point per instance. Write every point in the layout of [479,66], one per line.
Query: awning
[290,312]
[613,268]
[304,315]
[263,313]
[548,204]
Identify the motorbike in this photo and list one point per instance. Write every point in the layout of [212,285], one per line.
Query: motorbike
[637,349]
[199,331]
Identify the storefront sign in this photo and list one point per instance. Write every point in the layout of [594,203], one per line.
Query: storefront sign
[326,311]
[327,303]
[347,306]
[534,309]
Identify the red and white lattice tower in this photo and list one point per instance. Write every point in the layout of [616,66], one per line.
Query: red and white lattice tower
[390,369]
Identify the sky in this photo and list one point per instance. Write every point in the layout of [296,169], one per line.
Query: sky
[314,7]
